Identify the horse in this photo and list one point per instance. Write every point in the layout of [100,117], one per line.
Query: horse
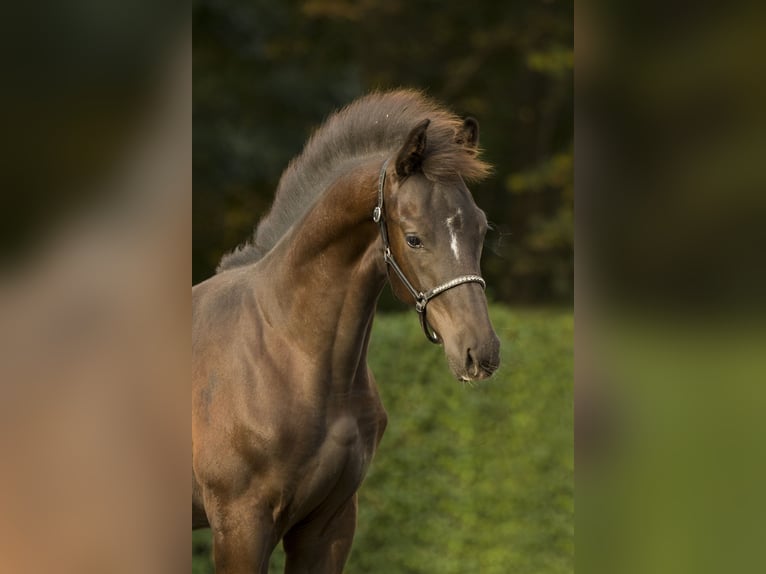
[286,415]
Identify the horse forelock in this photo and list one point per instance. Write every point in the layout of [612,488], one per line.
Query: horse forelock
[376,124]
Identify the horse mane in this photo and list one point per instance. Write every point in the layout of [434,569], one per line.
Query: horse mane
[376,124]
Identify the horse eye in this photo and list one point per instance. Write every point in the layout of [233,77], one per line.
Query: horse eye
[414,241]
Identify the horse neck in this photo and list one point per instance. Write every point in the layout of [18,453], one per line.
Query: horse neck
[327,273]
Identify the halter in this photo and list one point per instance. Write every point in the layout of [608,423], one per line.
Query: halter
[421,298]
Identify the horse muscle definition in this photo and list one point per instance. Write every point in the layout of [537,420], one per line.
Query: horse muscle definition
[286,415]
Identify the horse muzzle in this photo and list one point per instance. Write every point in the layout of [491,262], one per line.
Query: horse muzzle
[478,361]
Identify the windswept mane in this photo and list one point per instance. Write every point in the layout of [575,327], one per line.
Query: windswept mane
[376,124]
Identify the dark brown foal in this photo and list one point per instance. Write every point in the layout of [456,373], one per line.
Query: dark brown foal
[286,414]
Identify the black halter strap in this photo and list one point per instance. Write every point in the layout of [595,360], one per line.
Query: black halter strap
[421,298]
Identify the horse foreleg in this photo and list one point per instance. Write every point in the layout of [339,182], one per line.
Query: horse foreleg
[322,545]
[243,538]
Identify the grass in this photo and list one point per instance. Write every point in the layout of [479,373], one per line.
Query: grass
[467,479]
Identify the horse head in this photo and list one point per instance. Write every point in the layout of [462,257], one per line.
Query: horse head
[435,233]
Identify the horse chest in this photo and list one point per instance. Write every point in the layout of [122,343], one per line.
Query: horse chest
[336,468]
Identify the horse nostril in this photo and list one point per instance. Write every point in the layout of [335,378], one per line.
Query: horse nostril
[471,364]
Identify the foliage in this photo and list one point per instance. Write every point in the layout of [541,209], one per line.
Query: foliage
[266,73]
[468,479]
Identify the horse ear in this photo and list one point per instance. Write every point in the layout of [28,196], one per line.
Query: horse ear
[468,134]
[410,156]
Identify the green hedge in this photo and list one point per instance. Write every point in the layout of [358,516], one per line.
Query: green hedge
[467,479]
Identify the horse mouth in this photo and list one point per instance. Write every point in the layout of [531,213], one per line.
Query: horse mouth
[478,374]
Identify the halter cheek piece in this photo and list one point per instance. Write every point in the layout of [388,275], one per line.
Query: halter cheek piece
[421,298]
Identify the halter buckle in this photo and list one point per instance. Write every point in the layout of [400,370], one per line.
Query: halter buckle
[376,213]
[420,303]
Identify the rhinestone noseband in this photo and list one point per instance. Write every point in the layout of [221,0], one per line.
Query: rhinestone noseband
[421,298]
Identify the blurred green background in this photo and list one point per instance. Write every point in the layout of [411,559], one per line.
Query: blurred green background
[671,325]
[467,479]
